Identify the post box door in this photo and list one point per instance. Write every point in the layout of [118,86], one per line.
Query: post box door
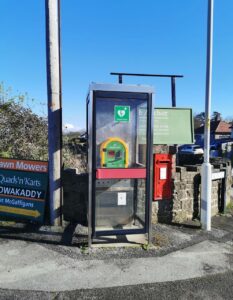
[162,176]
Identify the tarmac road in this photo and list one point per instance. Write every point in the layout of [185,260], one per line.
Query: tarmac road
[211,287]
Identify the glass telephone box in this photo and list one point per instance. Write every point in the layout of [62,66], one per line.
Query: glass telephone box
[119,119]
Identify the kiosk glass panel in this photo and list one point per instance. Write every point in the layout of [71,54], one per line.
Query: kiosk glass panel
[120,133]
[120,204]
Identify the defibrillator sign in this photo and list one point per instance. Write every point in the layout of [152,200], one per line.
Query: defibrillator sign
[121,113]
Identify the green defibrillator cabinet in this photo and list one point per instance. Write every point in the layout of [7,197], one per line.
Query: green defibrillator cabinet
[114,153]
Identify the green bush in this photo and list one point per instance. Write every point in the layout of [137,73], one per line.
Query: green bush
[23,134]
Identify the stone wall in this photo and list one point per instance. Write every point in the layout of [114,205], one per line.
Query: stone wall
[184,205]
[75,196]
[185,202]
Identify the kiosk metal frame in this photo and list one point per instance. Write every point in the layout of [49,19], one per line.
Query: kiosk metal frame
[118,91]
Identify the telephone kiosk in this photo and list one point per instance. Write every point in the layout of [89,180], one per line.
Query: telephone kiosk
[119,119]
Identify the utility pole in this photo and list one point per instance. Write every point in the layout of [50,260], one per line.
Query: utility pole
[52,8]
[206,182]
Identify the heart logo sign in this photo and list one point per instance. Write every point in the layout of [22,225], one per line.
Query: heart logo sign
[121,113]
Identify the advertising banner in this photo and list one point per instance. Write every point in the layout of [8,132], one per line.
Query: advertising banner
[23,188]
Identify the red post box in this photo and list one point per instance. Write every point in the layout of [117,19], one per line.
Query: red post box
[162,176]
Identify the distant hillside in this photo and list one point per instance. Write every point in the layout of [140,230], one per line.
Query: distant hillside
[72,135]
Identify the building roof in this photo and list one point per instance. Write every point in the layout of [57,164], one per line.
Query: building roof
[223,127]
[216,127]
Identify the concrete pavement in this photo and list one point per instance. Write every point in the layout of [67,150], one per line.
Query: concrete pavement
[179,253]
[24,266]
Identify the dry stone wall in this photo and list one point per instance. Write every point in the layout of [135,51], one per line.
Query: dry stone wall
[185,202]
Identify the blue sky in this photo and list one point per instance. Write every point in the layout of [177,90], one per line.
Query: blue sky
[150,36]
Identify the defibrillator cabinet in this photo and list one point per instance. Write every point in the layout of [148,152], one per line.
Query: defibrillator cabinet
[114,153]
[119,126]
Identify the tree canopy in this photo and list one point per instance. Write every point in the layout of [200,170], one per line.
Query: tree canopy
[199,119]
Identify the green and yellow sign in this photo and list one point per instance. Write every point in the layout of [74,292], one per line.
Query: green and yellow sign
[23,187]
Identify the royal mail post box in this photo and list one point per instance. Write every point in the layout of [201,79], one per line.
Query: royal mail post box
[162,176]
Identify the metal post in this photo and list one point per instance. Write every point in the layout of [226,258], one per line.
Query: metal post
[90,162]
[224,192]
[173,90]
[151,124]
[120,79]
[206,166]
[54,108]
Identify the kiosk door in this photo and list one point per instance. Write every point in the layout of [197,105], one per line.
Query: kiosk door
[120,162]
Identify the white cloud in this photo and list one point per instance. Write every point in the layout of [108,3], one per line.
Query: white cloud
[69,127]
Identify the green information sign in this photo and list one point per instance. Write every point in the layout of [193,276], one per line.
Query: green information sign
[23,187]
[121,113]
[171,126]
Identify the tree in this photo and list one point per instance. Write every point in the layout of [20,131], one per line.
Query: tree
[199,120]
[216,116]
[23,134]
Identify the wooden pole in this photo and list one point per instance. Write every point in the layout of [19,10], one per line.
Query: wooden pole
[54,109]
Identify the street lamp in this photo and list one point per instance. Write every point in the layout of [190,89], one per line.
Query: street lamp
[206,172]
